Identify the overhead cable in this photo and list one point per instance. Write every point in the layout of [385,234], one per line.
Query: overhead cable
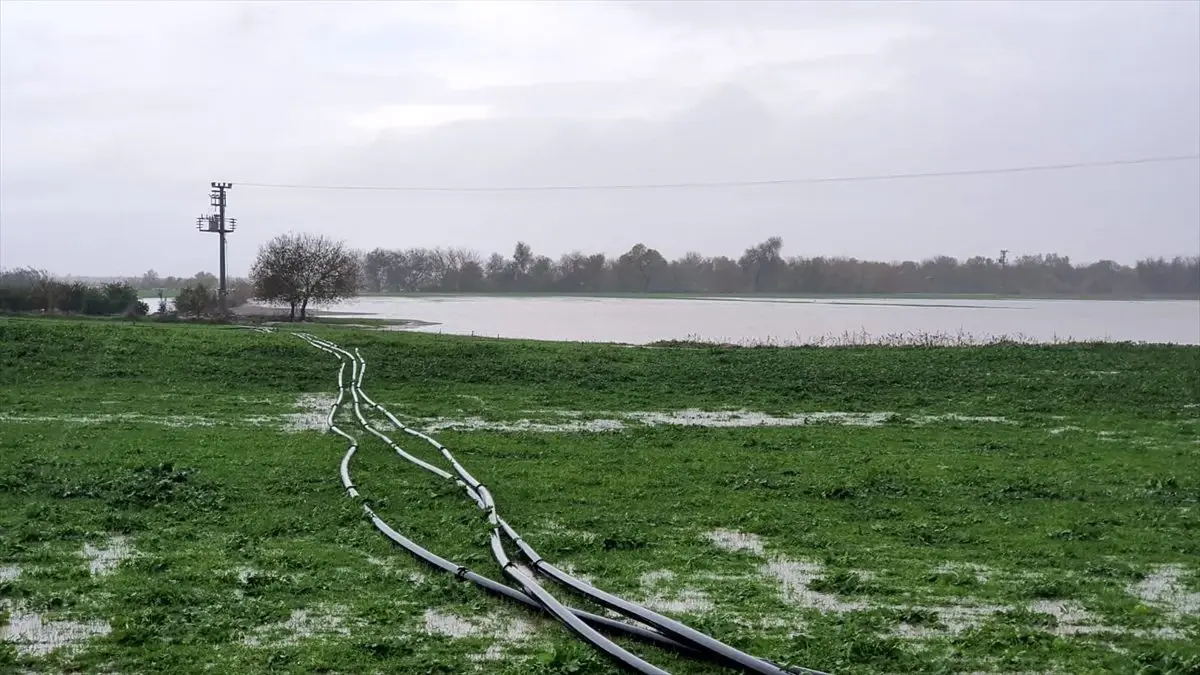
[1030,168]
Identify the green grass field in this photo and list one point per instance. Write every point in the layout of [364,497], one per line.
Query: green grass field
[169,502]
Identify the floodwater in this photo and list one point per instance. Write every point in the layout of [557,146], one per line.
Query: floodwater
[788,320]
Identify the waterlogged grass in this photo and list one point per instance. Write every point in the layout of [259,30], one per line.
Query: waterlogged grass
[1012,508]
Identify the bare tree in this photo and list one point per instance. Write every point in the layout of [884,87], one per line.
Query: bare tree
[303,269]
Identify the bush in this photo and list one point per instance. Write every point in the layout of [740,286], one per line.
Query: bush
[196,300]
[34,291]
[239,293]
[111,299]
[19,290]
[136,310]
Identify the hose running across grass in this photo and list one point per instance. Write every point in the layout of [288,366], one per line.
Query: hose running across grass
[580,617]
[674,634]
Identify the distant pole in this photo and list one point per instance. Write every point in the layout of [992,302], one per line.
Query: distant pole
[219,224]
[1003,271]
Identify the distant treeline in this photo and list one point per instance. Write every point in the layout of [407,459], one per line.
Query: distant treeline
[760,269]
[151,282]
[764,269]
[26,290]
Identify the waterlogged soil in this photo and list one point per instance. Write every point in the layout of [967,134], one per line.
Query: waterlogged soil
[861,510]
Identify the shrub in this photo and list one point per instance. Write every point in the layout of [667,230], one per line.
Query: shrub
[196,300]
[32,291]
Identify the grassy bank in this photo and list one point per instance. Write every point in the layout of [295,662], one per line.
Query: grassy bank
[167,490]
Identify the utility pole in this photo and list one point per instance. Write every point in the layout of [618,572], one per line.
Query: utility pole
[217,222]
[1003,270]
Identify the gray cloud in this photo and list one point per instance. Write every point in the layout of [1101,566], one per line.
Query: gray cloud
[120,116]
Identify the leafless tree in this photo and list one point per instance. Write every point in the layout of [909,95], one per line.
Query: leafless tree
[303,269]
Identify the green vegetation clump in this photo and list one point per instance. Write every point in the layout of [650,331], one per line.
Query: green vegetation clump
[978,508]
[34,291]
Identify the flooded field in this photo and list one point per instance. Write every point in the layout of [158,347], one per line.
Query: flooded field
[174,501]
[787,320]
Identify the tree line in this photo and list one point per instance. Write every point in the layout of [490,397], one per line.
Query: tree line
[293,270]
[298,271]
[31,290]
[763,268]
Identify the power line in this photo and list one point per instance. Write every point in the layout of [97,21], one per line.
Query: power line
[736,184]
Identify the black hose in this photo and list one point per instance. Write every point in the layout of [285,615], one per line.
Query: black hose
[670,627]
[673,630]
[578,621]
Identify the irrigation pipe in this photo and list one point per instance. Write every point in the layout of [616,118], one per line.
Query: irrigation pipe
[483,499]
[675,631]
[681,633]
[579,619]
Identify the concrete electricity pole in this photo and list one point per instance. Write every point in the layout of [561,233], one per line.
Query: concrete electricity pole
[217,222]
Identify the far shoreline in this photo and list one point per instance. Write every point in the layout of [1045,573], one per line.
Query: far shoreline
[170,294]
[777,296]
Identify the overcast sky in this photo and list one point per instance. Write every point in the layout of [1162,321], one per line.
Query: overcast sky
[114,119]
